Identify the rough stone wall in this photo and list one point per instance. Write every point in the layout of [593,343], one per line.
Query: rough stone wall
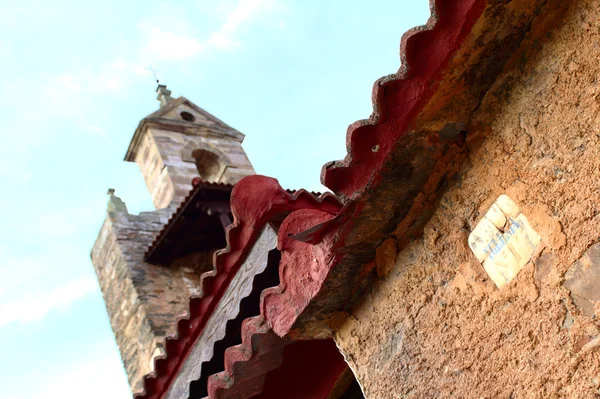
[435,326]
[155,174]
[143,301]
[173,148]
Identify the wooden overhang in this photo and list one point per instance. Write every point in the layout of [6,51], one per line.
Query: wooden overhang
[198,224]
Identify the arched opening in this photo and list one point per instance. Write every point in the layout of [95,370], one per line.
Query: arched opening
[207,163]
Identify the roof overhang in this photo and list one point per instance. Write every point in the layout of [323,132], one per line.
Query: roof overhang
[399,163]
[198,224]
[257,203]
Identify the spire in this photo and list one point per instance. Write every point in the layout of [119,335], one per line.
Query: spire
[164,95]
[114,203]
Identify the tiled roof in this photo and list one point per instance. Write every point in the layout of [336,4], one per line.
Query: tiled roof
[218,192]
[199,187]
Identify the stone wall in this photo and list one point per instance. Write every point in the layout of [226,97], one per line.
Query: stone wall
[436,326]
[155,174]
[143,301]
[165,155]
[175,151]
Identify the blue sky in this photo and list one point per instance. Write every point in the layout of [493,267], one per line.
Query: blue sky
[291,75]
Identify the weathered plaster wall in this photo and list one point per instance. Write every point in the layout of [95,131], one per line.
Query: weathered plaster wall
[435,326]
[143,301]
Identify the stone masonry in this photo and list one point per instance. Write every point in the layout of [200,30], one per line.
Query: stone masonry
[171,151]
[172,146]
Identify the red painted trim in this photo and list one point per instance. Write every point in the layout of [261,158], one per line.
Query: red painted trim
[255,201]
[302,271]
[398,99]
[305,266]
[267,366]
[247,364]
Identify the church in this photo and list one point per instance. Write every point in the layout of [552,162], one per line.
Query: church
[457,253]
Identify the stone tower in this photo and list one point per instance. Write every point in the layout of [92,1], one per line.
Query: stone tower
[181,141]
[172,146]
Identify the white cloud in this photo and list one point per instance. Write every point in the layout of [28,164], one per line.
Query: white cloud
[36,306]
[97,130]
[222,41]
[123,66]
[59,224]
[68,94]
[56,225]
[168,45]
[245,11]
[17,273]
[97,374]
[61,90]
[165,45]
[83,380]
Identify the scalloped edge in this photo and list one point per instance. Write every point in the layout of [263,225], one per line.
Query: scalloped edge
[255,201]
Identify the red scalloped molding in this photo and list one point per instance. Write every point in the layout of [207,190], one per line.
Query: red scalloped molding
[255,201]
[397,99]
[247,364]
[267,366]
[302,270]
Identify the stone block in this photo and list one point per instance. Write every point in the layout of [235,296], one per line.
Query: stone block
[143,301]
[583,280]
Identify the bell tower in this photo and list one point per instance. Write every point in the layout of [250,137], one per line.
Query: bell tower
[182,141]
[145,296]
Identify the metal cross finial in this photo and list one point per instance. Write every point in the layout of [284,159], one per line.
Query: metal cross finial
[154,72]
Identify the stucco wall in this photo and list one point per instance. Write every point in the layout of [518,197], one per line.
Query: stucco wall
[436,326]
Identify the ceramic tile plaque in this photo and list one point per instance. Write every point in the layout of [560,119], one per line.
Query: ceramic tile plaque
[503,241]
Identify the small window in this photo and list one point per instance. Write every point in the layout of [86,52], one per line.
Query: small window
[186,116]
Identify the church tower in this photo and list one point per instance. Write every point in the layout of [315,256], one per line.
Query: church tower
[147,276]
[181,141]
